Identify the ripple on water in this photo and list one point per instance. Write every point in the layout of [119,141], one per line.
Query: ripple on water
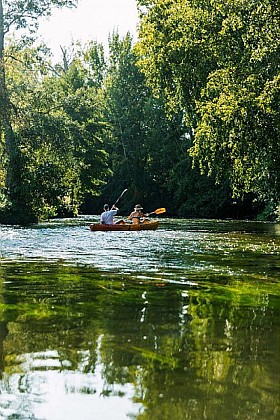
[183,248]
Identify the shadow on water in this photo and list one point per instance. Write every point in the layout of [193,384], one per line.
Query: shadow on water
[178,323]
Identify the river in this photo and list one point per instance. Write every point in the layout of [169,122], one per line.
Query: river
[178,323]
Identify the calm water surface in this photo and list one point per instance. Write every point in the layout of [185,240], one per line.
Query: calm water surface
[180,323]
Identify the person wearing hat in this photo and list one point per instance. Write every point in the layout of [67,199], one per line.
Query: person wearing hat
[137,214]
[107,217]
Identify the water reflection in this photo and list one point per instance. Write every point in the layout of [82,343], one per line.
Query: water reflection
[52,389]
[187,327]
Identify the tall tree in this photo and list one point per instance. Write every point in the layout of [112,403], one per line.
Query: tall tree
[16,14]
[217,59]
[59,127]
[148,148]
[142,144]
[126,94]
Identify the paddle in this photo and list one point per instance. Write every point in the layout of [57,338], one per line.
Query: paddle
[124,191]
[157,211]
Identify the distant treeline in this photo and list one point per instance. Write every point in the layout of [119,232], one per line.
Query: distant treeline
[186,118]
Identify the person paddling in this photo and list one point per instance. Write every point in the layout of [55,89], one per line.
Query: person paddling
[137,214]
[107,217]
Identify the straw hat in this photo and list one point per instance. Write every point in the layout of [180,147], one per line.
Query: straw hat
[138,207]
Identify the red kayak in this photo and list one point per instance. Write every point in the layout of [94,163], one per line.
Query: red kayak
[147,225]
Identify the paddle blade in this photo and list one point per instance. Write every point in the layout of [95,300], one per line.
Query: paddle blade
[159,211]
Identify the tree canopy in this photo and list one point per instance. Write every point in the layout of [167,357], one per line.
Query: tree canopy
[186,118]
[17,15]
[219,61]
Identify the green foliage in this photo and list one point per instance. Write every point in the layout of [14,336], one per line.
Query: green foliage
[198,93]
[59,126]
[126,95]
[17,15]
[141,148]
[219,61]
[270,212]
[148,149]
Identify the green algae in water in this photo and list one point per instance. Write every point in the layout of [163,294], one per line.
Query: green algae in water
[195,335]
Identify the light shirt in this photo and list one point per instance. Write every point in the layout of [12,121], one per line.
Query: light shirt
[107,217]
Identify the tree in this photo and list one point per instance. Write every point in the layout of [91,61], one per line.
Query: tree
[148,148]
[238,116]
[18,15]
[142,145]
[59,128]
[217,60]
[126,94]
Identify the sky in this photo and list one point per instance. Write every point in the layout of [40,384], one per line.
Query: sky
[91,20]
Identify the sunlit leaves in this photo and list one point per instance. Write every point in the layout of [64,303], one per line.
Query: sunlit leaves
[220,61]
[60,127]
